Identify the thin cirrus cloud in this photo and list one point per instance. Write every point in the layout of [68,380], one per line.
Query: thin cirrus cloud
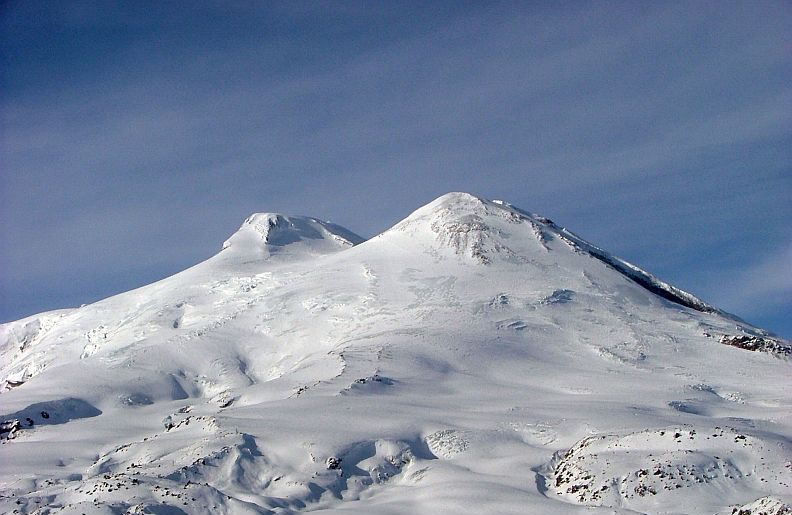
[135,139]
[765,286]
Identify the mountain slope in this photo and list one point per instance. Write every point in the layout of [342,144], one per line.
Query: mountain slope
[474,355]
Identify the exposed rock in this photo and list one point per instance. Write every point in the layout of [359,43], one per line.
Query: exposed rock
[757,343]
[764,506]
[9,428]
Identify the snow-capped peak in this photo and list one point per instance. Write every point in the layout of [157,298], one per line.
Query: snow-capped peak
[473,357]
[449,206]
[485,230]
[265,234]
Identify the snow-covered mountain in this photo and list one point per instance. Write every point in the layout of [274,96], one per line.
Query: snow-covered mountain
[474,358]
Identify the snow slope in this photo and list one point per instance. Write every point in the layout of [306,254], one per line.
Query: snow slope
[474,357]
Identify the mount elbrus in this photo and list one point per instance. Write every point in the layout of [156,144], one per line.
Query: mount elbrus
[473,358]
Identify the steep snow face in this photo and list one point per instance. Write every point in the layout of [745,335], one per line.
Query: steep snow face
[484,230]
[456,221]
[473,357]
[268,234]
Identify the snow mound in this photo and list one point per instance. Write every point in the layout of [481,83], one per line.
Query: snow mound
[670,467]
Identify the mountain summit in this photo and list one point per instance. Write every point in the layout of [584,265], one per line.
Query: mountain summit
[486,230]
[266,234]
[474,357]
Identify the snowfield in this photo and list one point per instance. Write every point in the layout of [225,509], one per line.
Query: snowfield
[474,358]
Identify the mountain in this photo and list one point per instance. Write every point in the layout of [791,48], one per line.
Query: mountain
[473,358]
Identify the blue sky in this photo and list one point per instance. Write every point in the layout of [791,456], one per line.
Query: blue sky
[136,136]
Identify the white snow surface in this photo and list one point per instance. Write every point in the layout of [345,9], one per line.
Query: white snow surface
[474,358]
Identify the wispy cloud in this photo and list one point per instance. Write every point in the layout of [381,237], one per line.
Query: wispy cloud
[658,131]
[760,290]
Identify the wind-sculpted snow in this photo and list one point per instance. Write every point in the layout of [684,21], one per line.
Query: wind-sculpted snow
[473,358]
